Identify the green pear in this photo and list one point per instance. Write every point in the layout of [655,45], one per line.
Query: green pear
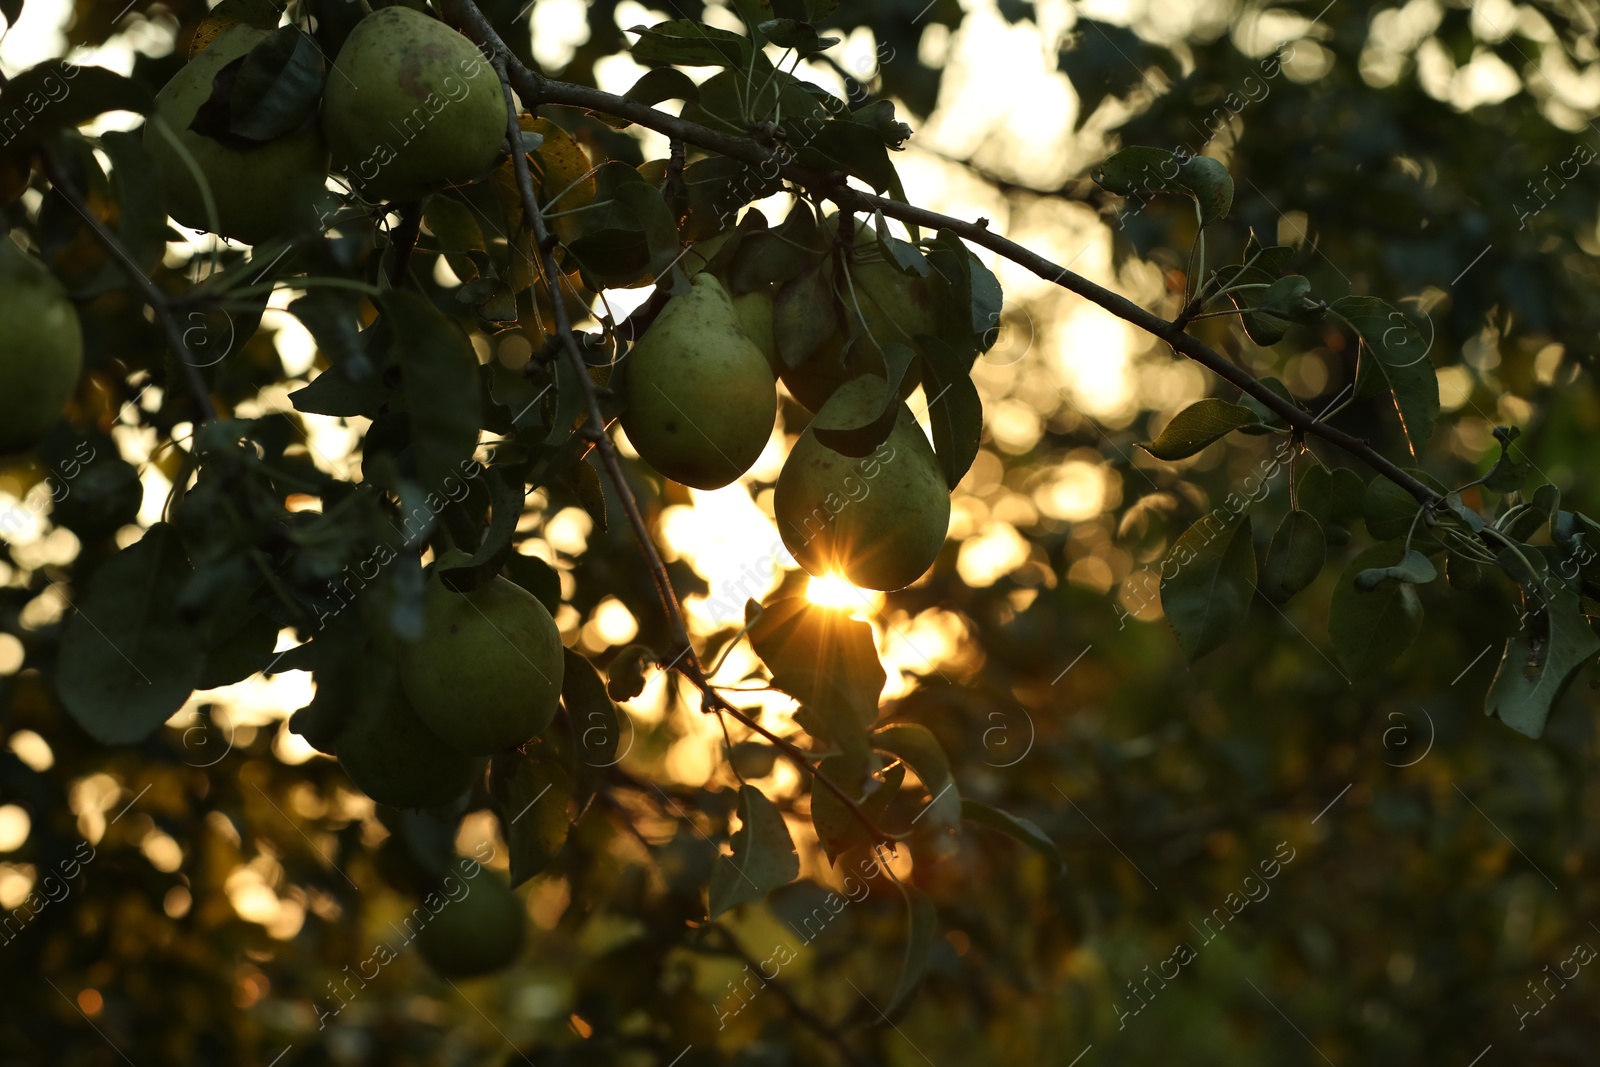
[879,519]
[392,756]
[897,307]
[754,310]
[701,396]
[479,928]
[259,192]
[486,675]
[41,349]
[411,105]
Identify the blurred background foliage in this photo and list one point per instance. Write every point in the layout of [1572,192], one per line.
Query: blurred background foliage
[1424,152]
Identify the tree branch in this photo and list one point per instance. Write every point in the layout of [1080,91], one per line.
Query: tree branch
[141,281]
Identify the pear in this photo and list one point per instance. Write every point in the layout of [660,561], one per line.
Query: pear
[897,307]
[392,756]
[259,192]
[486,675]
[41,349]
[880,519]
[701,396]
[476,931]
[411,106]
[754,310]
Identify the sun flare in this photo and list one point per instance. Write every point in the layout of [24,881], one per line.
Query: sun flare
[833,591]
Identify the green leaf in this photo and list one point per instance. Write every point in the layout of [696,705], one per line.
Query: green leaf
[1269,420]
[763,856]
[955,411]
[279,86]
[664,83]
[1270,259]
[1196,426]
[879,117]
[596,726]
[1015,826]
[1462,573]
[863,439]
[439,373]
[1507,474]
[625,675]
[1295,557]
[1371,629]
[1389,509]
[923,925]
[837,827]
[804,315]
[852,148]
[1396,360]
[1208,179]
[141,210]
[1209,591]
[682,42]
[1543,657]
[537,577]
[56,95]
[456,229]
[1414,567]
[800,36]
[534,796]
[826,661]
[128,658]
[506,497]
[1140,171]
[242,648]
[774,257]
[916,744]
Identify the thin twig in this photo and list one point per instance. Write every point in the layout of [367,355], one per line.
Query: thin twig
[785,994]
[141,281]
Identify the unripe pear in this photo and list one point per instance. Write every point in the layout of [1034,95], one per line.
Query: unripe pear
[486,675]
[701,396]
[411,106]
[897,307]
[41,349]
[392,756]
[879,519]
[475,932]
[259,192]
[754,310]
